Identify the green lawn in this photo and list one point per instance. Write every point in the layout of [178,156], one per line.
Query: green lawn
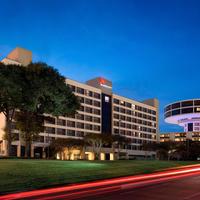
[21,175]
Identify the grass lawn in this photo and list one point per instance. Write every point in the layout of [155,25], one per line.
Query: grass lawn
[21,175]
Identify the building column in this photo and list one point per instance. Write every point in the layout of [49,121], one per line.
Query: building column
[5,147]
[19,150]
[43,153]
[32,151]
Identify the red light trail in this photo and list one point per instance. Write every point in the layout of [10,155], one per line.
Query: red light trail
[105,186]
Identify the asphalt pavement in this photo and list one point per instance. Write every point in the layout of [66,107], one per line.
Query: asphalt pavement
[187,188]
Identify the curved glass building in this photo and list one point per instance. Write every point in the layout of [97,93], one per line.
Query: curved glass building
[184,113]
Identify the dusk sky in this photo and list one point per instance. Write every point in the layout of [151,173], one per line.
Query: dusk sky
[147,48]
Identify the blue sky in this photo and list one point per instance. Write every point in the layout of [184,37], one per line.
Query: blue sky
[147,48]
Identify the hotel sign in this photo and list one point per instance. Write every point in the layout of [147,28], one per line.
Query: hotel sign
[102,83]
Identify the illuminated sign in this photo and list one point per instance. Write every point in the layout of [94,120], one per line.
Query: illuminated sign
[102,83]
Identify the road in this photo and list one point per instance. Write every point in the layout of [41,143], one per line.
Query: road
[187,188]
[174,184]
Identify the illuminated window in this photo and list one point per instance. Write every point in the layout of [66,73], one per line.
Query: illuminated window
[107,99]
[122,102]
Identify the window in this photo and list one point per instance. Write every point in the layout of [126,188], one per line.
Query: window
[122,103]
[96,119]
[176,112]
[96,128]
[80,90]
[187,110]
[153,112]
[81,108]
[50,130]
[88,118]
[144,109]
[116,123]
[80,116]
[88,110]
[122,110]
[116,116]
[96,112]
[197,102]
[60,131]
[116,131]
[168,114]
[176,105]
[88,93]
[88,101]
[80,125]
[80,134]
[168,108]
[128,105]
[70,132]
[96,95]
[128,126]
[61,122]
[122,117]
[187,103]
[197,109]
[128,119]
[97,103]
[128,112]
[107,99]
[88,126]
[122,124]
[70,123]
[116,101]
[116,108]
[81,99]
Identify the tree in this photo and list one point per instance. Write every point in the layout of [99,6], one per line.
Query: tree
[37,88]
[96,141]
[11,92]
[194,150]
[30,125]
[120,141]
[47,91]
[164,150]
[148,147]
[170,148]
[69,144]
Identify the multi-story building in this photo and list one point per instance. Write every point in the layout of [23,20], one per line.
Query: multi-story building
[179,136]
[186,114]
[101,112]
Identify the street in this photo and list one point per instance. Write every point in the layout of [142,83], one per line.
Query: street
[187,188]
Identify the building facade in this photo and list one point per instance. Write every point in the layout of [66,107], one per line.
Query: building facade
[179,136]
[101,112]
[186,114]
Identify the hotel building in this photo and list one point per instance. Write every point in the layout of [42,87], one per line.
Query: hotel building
[101,112]
[179,136]
[186,114]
